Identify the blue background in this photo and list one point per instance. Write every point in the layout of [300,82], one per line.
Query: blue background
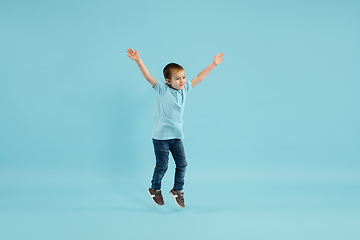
[272,134]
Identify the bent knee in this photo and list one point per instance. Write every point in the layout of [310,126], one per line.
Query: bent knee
[181,165]
[161,168]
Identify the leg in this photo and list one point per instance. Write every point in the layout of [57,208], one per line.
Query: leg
[178,153]
[161,149]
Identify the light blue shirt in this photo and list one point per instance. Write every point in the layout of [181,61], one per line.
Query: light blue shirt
[169,109]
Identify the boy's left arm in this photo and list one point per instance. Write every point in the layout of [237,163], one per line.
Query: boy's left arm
[217,60]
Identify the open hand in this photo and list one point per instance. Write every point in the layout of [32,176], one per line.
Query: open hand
[218,58]
[134,55]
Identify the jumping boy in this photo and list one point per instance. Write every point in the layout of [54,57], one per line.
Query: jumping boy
[167,131]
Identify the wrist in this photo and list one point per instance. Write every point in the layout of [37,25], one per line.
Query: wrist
[138,60]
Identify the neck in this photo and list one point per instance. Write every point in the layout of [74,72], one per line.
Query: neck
[172,87]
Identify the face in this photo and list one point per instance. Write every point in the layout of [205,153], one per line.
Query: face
[177,80]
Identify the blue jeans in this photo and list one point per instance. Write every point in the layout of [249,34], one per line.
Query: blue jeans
[161,149]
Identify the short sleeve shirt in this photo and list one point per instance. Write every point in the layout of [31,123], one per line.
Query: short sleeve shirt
[169,109]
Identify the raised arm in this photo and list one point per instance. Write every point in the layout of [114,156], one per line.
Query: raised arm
[217,60]
[134,55]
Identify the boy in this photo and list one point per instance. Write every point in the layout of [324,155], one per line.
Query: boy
[167,130]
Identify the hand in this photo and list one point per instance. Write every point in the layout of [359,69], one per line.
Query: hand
[218,58]
[134,55]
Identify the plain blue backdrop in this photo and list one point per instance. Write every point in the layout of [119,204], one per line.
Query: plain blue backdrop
[272,135]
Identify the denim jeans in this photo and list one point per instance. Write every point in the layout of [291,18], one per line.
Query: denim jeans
[161,149]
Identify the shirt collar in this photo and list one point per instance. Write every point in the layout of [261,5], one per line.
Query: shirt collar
[173,90]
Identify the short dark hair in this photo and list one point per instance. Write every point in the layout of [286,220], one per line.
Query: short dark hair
[170,68]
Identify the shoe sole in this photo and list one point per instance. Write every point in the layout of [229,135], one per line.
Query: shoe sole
[174,197]
[153,198]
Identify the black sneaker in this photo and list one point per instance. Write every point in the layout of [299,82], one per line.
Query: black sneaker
[178,197]
[156,196]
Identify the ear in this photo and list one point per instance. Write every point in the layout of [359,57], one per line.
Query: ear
[167,81]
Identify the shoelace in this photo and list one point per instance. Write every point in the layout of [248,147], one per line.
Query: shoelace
[158,194]
[180,196]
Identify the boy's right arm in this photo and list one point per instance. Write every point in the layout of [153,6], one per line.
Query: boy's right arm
[134,55]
